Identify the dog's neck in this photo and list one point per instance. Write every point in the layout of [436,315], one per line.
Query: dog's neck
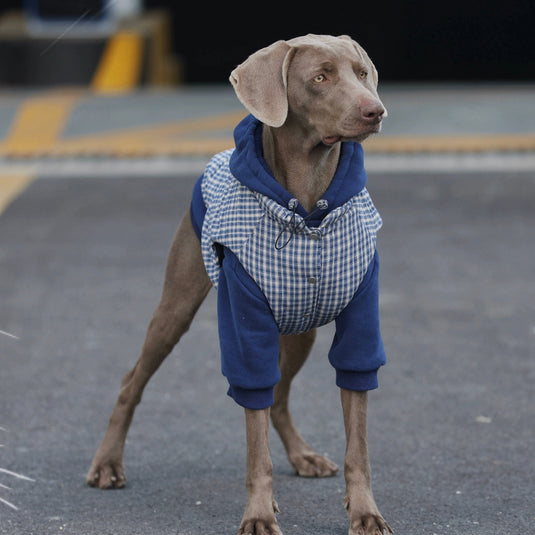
[303,165]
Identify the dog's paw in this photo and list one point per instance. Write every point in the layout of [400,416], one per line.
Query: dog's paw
[366,523]
[313,465]
[259,527]
[370,525]
[106,476]
[255,523]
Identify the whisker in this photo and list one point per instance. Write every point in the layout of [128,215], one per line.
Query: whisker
[9,504]
[10,336]
[14,474]
[76,22]
[82,16]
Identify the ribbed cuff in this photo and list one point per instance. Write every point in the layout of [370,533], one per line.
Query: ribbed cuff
[252,399]
[358,381]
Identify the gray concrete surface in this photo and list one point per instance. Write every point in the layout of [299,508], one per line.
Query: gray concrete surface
[443,109]
[414,109]
[451,426]
[82,254]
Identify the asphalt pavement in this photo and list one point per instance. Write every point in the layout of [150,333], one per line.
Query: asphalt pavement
[451,428]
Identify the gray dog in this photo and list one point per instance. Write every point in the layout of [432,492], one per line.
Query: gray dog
[285,229]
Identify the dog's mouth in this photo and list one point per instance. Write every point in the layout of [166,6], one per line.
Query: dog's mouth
[372,127]
[331,140]
[358,137]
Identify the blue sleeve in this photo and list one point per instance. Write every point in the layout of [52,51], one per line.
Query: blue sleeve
[357,350]
[248,337]
[197,208]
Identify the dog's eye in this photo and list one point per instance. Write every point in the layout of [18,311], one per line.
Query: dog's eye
[319,78]
[363,75]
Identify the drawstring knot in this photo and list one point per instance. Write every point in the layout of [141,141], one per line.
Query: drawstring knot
[322,204]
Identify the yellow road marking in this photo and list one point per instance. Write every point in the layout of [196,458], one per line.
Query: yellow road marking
[37,128]
[452,143]
[120,66]
[38,124]
[11,186]
[190,136]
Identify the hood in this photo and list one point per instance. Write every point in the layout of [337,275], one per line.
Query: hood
[248,166]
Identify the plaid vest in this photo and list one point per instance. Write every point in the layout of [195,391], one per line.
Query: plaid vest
[307,274]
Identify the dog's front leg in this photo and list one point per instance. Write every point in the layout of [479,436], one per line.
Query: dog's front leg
[364,516]
[259,517]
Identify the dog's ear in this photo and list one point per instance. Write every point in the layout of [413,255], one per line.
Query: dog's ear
[260,83]
[365,58]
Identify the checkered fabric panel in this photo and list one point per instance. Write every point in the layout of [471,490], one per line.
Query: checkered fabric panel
[309,280]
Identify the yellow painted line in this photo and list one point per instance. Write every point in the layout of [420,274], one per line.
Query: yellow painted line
[196,137]
[38,124]
[12,185]
[458,143]
[120,66]
[191,136]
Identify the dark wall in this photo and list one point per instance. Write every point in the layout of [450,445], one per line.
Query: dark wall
[408,39]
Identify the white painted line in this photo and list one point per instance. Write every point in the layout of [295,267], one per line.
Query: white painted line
[108,168]
[462,163]
[180,167]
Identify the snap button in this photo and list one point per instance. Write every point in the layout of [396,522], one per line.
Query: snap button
[312,280]
[292,204]
[315,235]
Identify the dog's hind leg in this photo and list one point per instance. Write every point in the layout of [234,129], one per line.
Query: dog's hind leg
[185,287]
[294,350]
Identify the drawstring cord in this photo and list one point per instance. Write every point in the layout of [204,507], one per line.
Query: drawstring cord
[322,204]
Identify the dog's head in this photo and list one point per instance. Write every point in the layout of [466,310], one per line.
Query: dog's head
[328,83]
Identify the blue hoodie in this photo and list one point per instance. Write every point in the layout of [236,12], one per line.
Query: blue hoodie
[281,270]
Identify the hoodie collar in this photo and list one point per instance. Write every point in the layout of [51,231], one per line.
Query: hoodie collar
[248,166]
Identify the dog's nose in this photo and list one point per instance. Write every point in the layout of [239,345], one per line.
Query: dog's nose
[372,111]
